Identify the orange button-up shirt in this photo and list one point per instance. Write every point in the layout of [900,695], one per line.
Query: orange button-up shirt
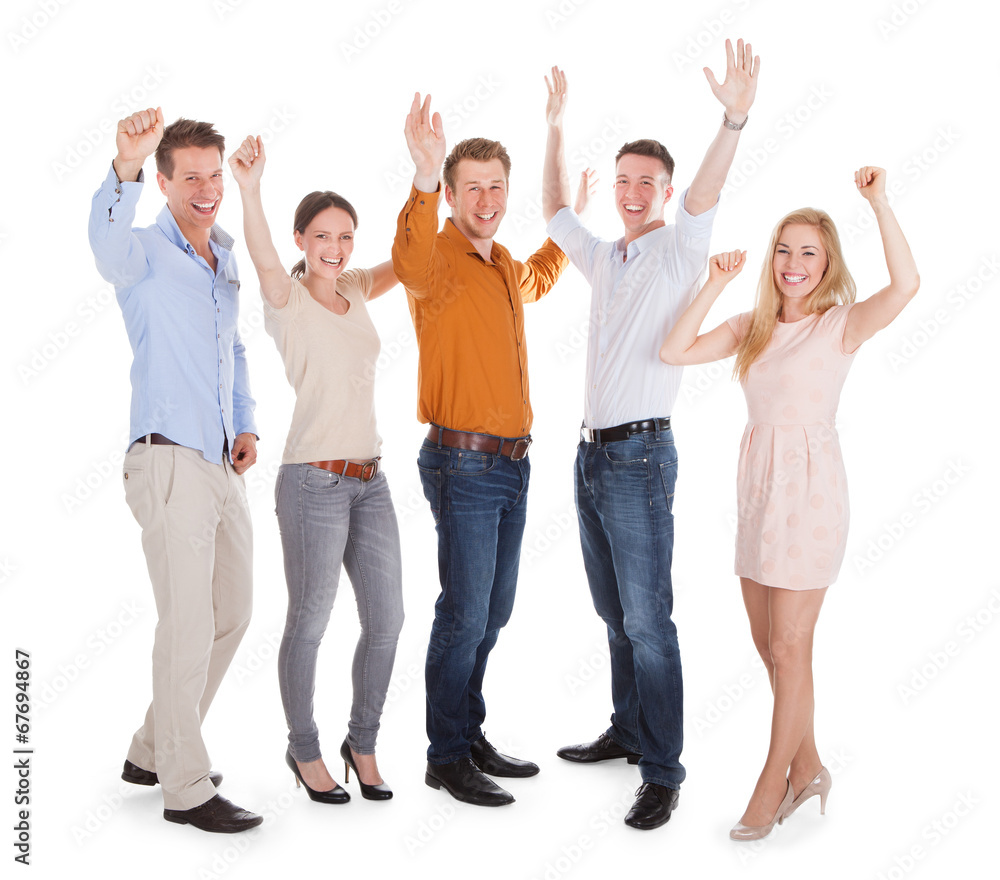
[468,316]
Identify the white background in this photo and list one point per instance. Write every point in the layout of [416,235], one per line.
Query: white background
[900,85]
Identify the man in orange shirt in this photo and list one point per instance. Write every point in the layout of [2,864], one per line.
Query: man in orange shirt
[465,294]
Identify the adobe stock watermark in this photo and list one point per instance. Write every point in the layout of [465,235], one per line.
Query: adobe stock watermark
[921,503]
[729,697]
[561,12]
[545,537]
[428,828]
[455,118]
[102,811]
[937,660]
[364,34]
[31,25]
[956,298]
[8,568]
[571,854]
[588,668]
[913,169]
[749,161]
[61,337]
[103,131]
[899,16]
[711,31]
[95,646]
[253,660]
[932,835]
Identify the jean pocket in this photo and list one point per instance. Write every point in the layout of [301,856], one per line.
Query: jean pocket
[668,477]
[625,451]
[430,480]
[318,480]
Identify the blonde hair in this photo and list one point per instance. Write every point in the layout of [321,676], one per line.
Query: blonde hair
[835,288]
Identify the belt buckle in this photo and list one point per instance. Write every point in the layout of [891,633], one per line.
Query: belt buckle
[369,470]
[520,449]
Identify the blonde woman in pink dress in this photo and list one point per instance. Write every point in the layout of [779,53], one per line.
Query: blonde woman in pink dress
[793,352]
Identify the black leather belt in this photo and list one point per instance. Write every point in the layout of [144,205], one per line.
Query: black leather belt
[623,432]
[513,449]
[159,440]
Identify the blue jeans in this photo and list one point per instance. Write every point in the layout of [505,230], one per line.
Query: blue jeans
[327,520]
[624,495]
[478,501]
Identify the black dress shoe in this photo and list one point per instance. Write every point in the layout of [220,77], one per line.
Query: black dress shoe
[335,795]
[490,761]
[137,776]
[380,792]
[216,814]
[604,748]
[652,807]
[464,781]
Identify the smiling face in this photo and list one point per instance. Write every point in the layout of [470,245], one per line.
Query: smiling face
[327,243]
[641,192]
[194,191]
[479,199]
[799,260]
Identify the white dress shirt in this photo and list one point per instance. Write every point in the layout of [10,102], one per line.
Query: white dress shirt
[634,304]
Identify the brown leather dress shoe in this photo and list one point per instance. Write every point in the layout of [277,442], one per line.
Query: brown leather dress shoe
[137,776]
[653,806]
[216,814]
[491,762]
[604,748]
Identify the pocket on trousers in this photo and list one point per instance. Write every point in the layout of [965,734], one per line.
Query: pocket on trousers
[668,477]
[318,480]
[430,480]
[625,451]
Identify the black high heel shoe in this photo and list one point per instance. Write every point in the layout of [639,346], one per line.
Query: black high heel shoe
[380,792]
[333,796]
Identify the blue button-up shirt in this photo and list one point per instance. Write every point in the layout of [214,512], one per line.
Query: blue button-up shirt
[189,369]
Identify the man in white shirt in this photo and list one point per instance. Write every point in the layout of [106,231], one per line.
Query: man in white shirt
[626,462]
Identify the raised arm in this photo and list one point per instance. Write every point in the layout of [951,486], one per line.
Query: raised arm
[683,345]
[880,309]
[247,165]
[137,138]
[555,176]
[736,94]
[425,140]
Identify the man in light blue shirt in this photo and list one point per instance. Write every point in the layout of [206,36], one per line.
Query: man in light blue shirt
[192,435]
[626,462]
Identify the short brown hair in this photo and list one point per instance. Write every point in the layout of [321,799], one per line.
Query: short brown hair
[477,149]
[649,147]
[313,204]
[185,133]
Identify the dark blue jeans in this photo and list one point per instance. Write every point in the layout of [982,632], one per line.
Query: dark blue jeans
[478,501]
[624,495]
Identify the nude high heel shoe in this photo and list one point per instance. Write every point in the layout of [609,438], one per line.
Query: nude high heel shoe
[756,832]
[820,785]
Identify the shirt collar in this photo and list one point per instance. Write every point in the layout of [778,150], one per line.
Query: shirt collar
[461,241]
[642,243]
[168,225]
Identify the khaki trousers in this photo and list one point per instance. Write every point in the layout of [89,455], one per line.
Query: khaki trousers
[196,534]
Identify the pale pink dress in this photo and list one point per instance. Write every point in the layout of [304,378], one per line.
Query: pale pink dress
[791,486]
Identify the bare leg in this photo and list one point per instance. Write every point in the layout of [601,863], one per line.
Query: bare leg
[791,617]
[367,768]
[315,775]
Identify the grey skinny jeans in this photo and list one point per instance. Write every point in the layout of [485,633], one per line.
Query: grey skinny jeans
[325,520]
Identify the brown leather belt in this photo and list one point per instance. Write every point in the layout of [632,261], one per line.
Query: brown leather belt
[512,449]
[365,472]
[623,432]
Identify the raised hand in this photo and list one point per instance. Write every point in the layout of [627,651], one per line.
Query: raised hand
[558,91]
[740,85]
[870,181]
[724,267]
[137,138]
[425,140]
[588,186]
[247,163]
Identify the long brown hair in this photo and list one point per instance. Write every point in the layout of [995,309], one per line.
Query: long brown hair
[836,287]
[313,204]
